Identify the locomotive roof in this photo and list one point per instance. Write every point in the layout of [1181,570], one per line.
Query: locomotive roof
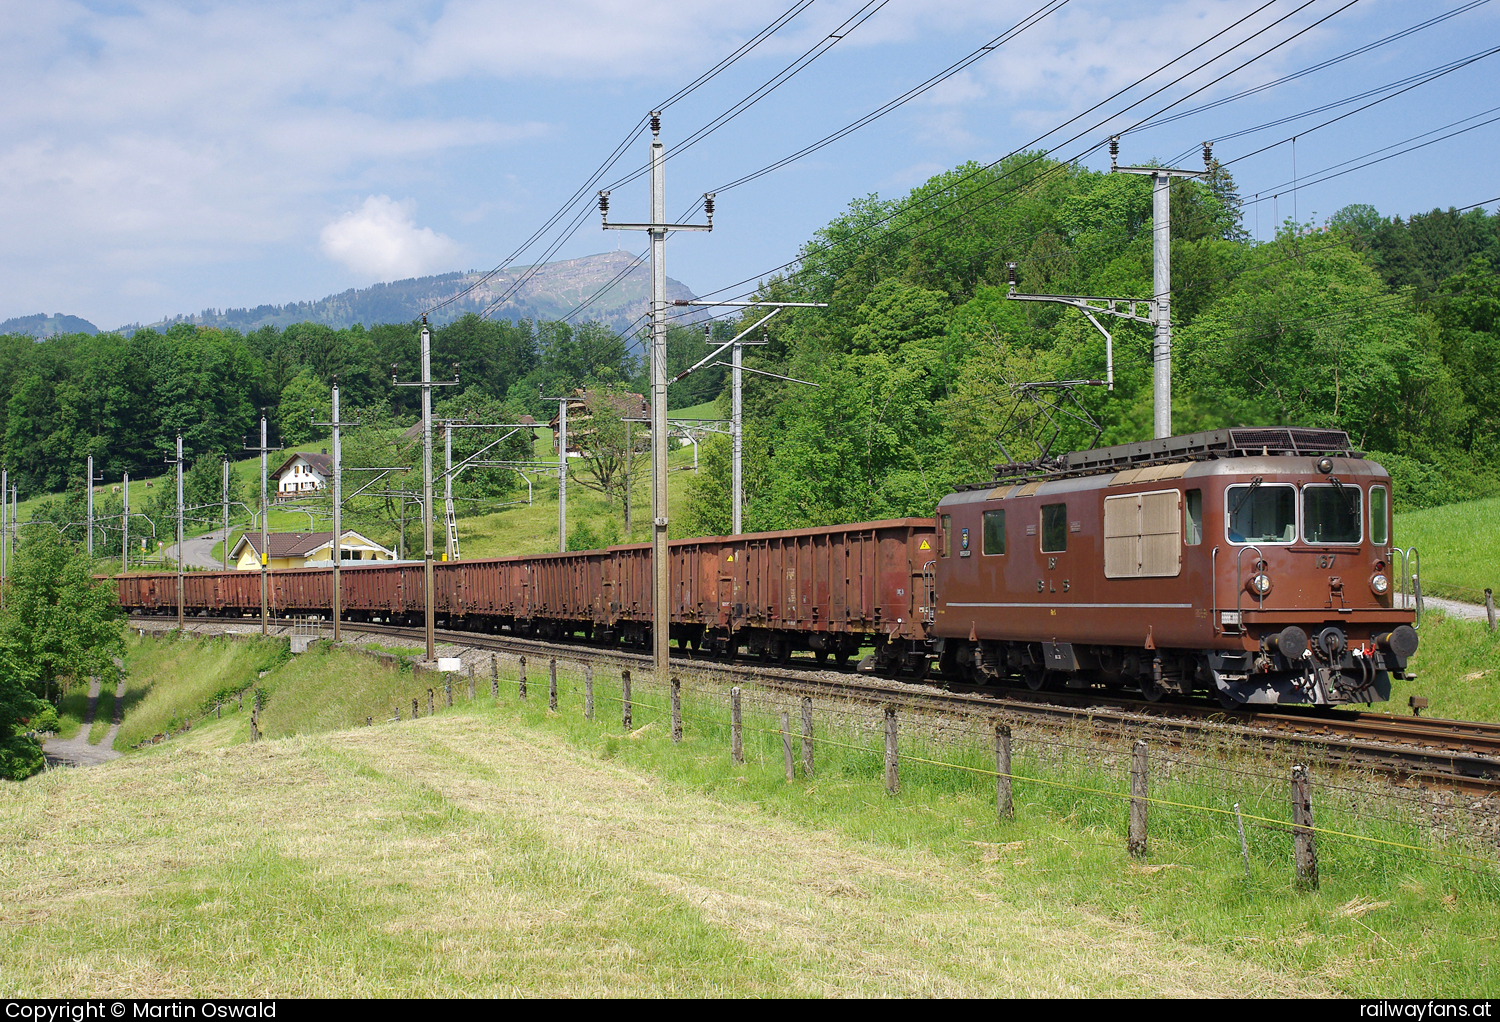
[1281,441]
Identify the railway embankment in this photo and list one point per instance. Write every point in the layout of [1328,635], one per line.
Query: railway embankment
[503,846]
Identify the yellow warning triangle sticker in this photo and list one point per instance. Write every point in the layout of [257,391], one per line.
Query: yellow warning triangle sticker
[729,558]
[925,545]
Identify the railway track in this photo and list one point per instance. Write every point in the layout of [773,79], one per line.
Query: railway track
[1462,755]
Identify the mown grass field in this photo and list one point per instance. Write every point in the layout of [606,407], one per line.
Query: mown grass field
[500,848]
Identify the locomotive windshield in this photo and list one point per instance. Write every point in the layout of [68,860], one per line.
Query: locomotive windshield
[1330,514]
[1262,513]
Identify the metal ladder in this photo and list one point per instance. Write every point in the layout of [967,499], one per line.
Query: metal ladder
[450,549]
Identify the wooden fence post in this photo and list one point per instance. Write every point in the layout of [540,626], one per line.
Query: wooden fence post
[494,676]
[807,739]
[625,699]
[448,688]
[398,712]
[1303,848]
[1004,807]
[786,743]
[588,691]
[676,710]
[1136,842]
[1489,607]
[219,710]
[254,724]
[892,766]
[471,683]
[521,684]
[552,684]
[736,730]
[429,700]
[239,700]
[414,713]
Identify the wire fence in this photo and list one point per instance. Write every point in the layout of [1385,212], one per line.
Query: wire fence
[1197,779]
[1084,770]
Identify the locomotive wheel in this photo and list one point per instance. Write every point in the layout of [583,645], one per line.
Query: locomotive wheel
[1150,690]
[1035,679]
[821,656]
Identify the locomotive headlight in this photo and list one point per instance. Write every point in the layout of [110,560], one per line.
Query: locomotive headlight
[1260,585]
[1380,584]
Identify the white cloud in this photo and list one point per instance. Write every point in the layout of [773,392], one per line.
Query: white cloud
[382,240]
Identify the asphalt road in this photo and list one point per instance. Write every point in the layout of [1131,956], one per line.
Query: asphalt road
[198,551]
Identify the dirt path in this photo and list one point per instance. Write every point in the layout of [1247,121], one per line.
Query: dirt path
[77,751]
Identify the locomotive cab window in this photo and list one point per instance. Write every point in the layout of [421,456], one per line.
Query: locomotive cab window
[1192,520]
[1379,533]
[1261,513]
[994,532]
[1054,528]
[1330,514]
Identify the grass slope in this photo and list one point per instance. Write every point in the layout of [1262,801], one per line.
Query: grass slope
[1459,546]
[170,681]
[1457,669]
[500,848]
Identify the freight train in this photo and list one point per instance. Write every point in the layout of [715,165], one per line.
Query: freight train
[1254,566]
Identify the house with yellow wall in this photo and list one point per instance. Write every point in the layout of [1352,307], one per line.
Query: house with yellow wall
[305,550]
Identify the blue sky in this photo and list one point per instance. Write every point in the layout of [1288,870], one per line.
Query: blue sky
[163,158]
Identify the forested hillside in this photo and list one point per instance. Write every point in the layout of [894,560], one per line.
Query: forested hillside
[1384,327]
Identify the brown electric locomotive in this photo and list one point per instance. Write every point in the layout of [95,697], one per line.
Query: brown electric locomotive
[1253,564]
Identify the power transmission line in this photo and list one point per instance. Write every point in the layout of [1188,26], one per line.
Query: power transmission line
[1331,61]
[619,151]
[905,206]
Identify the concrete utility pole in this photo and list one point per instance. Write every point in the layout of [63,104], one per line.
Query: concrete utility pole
[562,470]
[1161,276]
[125,524]
[177,461]
[450,518]
[265,622]
[224,497]
[737,369]
[4,534]
[337,547]
[89,546]
[658,228]
[451,472]
[426,384]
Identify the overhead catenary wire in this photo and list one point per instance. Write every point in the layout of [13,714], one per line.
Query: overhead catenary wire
[620,149]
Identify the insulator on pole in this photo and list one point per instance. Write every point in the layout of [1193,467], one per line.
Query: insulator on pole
[1208,156]
[1010,269]
[708,204]
[708,332]
[1114,150]
[656,122]
[604,204]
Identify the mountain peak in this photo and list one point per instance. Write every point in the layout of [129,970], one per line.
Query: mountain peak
[552,292]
